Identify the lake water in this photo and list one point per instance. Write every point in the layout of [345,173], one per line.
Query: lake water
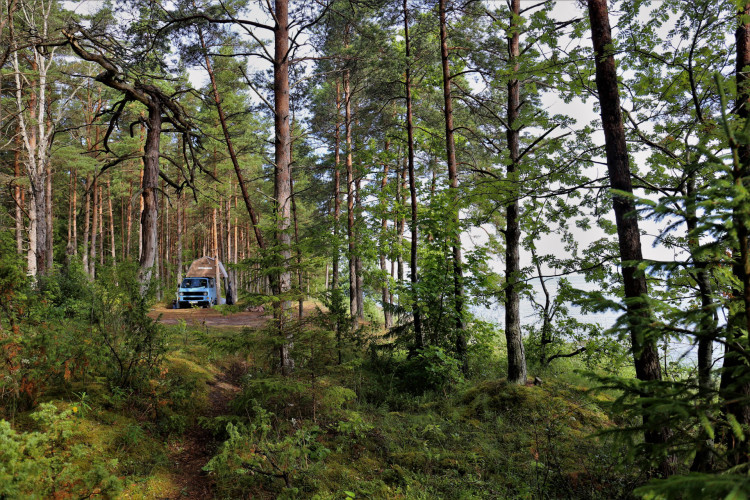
[677,349]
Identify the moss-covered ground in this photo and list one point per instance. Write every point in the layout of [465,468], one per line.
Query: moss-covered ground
[227,426]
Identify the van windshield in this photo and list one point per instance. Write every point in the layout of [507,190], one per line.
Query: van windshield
[194,283]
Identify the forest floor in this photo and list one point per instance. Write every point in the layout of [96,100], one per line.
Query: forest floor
[210,317]
[191,453]
[218,317]
[376,425]
[197,445]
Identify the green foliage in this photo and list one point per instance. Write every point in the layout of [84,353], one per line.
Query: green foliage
[132,344]
[431,369]
[694,486]
[43,347]
[50,462]
[255,456]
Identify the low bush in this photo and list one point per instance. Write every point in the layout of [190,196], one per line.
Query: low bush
[50,463]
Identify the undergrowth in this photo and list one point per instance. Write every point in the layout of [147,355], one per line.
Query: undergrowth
[99,396]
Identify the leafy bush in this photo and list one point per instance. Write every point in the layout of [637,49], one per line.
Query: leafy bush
[133,345]
[254,456]
[431,369]
[39,347]
[49,463]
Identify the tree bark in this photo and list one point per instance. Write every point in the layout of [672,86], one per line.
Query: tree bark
[86,224]
[450,148]
[94,226]
[140,198]
[112,251]
[179,237]
[358,258]
[18,193]
[513,336]
[36,132]
[254,219]
[418,335]
[645,354]
[49,221]
[129,219]
[102,231]
[282,185]
[300,301]
[149,189]
[351,239]
[401,223]
[336,298]
[72,211]
[336,192]
[734,386]
[387,316]
[215,243]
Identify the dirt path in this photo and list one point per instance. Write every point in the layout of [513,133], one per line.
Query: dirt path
[198,445]
[210,317]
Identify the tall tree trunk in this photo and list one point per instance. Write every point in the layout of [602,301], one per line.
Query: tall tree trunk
[336,192]
[351,238]
[71,213]
[49,241]
[179,237]
[513,337]
[382,248]
[18,193]
[36,138]
[645,354]
[102,231]
[230,284]
[216,255]
[335,294]
[401,224]
[75,212]
[230,145]
[450,148]
[140,198]
[94,226]
[300,301]
[298,250]
[88,192]
[282,185]
[418,335]
[31,255]
[706,333]
[111,223]
[129,223]
[149,189]
[358,258]
[734,386]
[122,228]
[235,259]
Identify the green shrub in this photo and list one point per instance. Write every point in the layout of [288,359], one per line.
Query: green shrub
[254,456]
[133,345]
[431,369]
[49,463]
